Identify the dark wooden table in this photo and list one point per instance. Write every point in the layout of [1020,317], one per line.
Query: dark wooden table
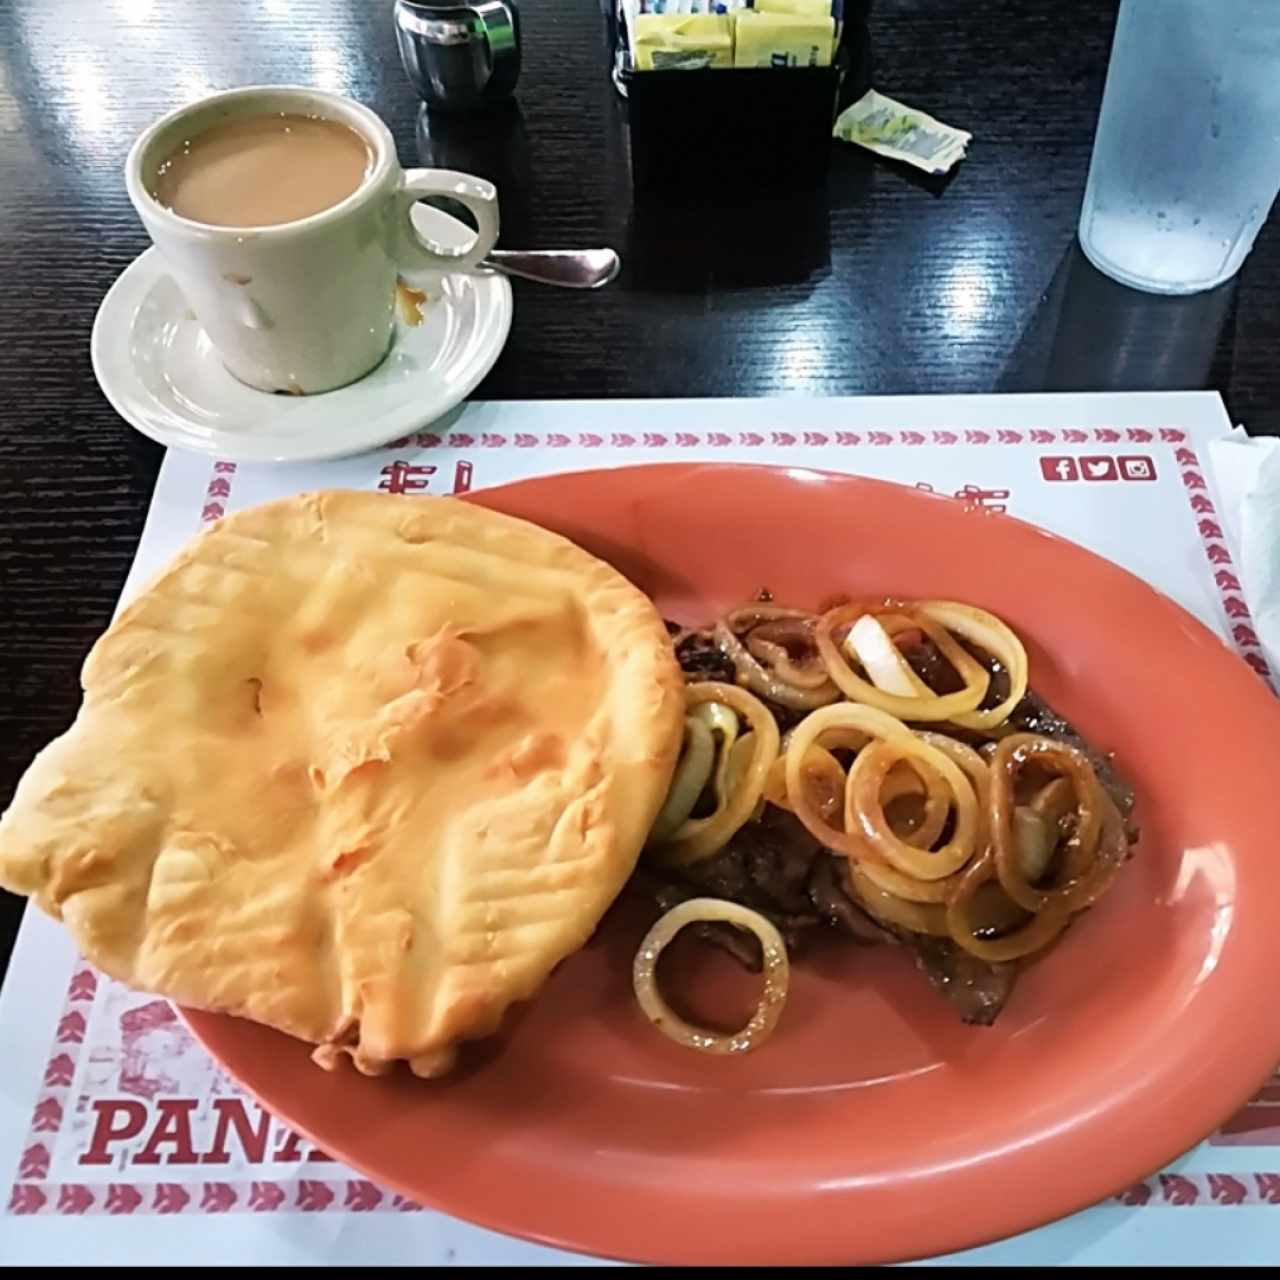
[888,284]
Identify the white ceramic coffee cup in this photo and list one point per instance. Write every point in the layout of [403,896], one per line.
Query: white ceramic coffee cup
[304,306]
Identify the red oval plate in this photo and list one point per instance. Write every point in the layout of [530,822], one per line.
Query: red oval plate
[874,1126]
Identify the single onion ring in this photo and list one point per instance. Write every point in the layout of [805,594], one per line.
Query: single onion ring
[693,772]
[906,887]
[1082,857]
[1036,933]
[777,975]
[892,881]
[862,801]
[890,908]
[767,641]
[758,678]
[699,838]
[830,722]
[930,707]
[992,636]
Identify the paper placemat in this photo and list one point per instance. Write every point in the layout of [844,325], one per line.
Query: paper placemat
[119,1138]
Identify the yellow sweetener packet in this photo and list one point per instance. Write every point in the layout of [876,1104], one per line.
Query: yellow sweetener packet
[782,39]
[681,42]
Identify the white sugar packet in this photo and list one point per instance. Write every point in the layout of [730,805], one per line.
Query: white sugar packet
[889,128]
[1247,471]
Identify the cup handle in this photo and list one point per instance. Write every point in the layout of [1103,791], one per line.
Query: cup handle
[481,197]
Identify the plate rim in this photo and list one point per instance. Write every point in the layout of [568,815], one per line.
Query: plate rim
[1169,1141]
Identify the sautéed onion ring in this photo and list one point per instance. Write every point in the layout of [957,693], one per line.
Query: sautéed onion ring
[773,994]
[927,706]
[693,772]
[785,682]
[699,838]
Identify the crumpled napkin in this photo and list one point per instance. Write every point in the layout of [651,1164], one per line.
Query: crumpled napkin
[1247,471]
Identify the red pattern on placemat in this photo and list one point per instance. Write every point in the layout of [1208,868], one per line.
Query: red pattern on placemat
[217,491]
[123,1197]
[1202,1190]
[47,1117]
[71,1028]
[75,1198]
[218,1197]
[362,1196]
[1268,1185]
[32,1194]
[314,1195]
[170,1197]
[26,1199]
[1178,1189]
[60,1069]
[1240,621]
[1226,1189]
[266,1196]
[84,985]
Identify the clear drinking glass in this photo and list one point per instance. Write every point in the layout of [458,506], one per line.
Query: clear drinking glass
[1186,159]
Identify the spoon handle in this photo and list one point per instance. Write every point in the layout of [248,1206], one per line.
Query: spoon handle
[567,268]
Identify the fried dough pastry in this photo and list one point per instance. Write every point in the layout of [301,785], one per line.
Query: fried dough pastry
[360,767]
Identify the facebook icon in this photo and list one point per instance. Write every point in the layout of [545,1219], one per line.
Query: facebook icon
[1058,469]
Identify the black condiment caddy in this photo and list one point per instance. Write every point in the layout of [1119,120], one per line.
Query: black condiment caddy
[736,129]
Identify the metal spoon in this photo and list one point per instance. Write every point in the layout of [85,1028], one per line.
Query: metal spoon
[567,268]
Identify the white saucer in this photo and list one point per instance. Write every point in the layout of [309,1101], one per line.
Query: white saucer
[162,375]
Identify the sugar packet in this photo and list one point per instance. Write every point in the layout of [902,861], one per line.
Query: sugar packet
[890,128]
[782,39]
[681,42]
